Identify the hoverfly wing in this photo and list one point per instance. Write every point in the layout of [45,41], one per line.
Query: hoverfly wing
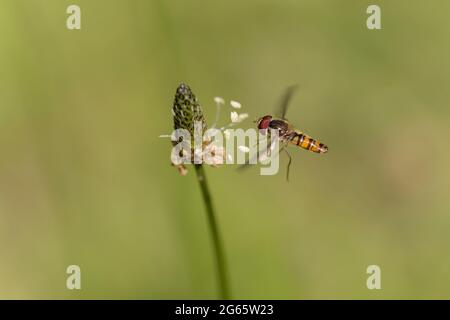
[259,155]
[247,163]
[284,102]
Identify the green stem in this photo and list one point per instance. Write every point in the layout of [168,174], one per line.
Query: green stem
[218,248]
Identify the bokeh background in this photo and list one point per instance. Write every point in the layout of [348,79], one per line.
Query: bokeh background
[84,178]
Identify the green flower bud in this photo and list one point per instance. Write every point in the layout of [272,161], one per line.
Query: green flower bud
[186,110]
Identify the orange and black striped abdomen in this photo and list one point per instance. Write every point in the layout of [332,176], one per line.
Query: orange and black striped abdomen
[306,142]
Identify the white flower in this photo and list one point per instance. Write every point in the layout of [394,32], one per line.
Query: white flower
[244,149]
[214,155]
[235,104]
[234,117]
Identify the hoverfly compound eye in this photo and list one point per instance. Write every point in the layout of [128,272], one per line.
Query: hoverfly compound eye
[263,123]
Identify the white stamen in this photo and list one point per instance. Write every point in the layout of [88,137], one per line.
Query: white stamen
[235,104]
[219,100]
[243,116]
[234,117]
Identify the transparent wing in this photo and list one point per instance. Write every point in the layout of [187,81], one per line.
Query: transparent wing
[270,145]
[284,103]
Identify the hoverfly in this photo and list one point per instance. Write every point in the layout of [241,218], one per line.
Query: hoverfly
[287,134]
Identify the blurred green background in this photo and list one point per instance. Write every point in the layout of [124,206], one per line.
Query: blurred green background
[84,178]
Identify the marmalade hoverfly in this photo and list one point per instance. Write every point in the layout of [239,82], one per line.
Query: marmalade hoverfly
[287,134]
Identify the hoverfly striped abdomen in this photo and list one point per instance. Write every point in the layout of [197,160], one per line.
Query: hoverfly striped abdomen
[306,142]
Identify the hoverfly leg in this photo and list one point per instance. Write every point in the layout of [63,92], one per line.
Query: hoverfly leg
[289,163]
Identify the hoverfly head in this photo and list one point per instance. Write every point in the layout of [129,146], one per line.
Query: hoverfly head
[263,123]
